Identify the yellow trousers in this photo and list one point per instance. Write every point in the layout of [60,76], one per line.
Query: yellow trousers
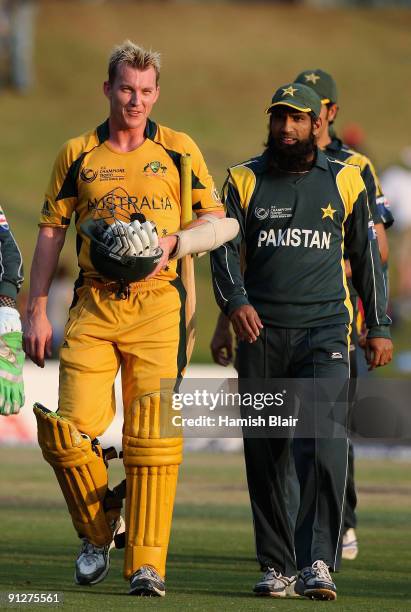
[145,335]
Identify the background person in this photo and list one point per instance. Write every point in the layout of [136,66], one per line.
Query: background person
[396,180]
[17,25]
[326,88]
[11,353]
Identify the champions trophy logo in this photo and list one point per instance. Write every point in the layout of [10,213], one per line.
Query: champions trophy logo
[88,175]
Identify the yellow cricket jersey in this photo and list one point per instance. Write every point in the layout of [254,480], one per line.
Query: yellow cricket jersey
[91,180]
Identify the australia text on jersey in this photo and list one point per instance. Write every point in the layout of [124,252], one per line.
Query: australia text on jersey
[120,199]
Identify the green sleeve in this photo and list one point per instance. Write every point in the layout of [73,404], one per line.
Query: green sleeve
[228,281]
[371,188]
[367,273]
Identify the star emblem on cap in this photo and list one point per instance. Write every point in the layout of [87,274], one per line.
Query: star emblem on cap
[312,78]
[290,91]
[328,212]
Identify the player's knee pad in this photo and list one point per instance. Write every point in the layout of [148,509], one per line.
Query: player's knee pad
[80,470]
[144,442]
[151,465]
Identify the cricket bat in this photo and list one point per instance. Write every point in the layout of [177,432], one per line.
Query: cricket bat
[187,262]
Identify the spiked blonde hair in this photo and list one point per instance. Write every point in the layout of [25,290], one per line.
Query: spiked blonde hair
[132,55]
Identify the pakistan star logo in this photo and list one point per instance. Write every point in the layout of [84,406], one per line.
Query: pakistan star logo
[328,212]
[289,91]
[312,78]
[155,166]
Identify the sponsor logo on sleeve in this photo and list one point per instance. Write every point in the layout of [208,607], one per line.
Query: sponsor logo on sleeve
[46,209]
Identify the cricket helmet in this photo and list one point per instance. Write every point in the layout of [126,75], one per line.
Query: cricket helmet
[113,253]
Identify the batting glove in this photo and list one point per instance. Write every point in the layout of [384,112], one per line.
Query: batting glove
[11,373]
[132,239]
[144,237]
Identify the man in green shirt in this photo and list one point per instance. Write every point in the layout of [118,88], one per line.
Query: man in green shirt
[291,313]
[222,342]
[325,87]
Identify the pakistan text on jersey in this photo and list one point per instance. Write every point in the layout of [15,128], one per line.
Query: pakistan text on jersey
[295,237]
[111,201]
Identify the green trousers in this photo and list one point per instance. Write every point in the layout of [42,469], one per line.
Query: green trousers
[318,464]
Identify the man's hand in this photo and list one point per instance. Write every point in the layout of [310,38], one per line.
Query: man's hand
[246,323]
[11,373]
[222,342]
[378,352]
[37,329]
[168,244]
[37,337]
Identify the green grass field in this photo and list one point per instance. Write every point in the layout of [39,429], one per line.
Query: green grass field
[211,560]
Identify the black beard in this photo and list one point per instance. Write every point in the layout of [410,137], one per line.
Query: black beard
[291,158]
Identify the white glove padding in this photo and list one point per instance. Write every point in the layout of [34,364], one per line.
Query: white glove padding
[9,320]
[205,237]
[116,238]
[135,240]
[143,236]
[132,239]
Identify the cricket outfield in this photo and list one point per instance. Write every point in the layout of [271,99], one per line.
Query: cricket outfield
[211,563]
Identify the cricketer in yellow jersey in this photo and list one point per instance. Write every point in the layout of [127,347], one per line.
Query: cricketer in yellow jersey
[126,168]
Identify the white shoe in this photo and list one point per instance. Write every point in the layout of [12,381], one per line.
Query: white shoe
[93,562]
[274,584]
[315,582]
[349,545]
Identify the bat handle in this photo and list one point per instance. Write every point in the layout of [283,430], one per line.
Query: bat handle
[186,189]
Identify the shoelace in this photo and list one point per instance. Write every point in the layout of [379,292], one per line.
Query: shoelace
[321,570]
[271,572]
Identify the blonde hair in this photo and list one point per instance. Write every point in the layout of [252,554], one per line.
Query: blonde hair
[132,55]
